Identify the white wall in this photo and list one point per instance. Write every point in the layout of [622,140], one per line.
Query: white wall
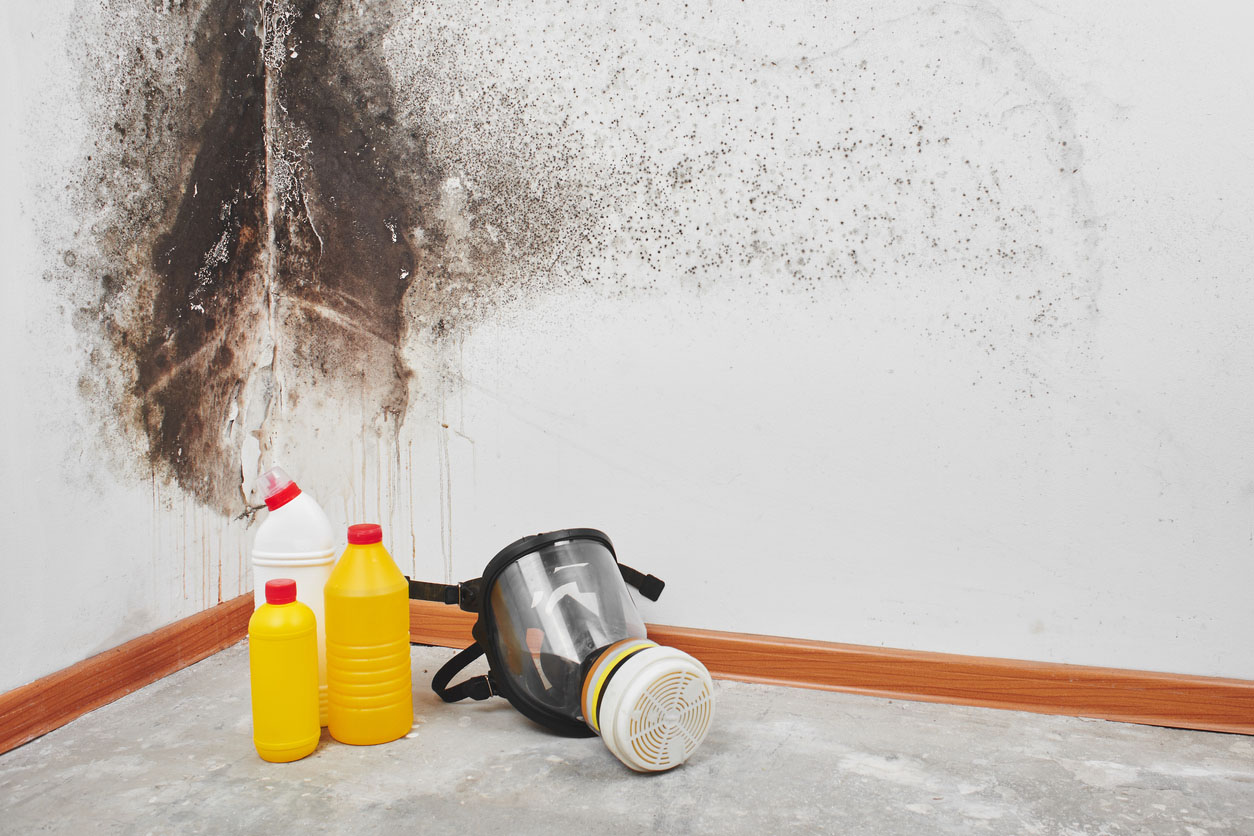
[96,551]
[1037,442]
[995,399]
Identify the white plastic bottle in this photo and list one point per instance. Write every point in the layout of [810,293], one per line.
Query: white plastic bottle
[295,541]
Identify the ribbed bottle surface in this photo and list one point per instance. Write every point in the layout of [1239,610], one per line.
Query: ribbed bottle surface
[283,670]
[369,687]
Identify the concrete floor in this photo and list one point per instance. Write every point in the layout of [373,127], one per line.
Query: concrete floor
[177,757]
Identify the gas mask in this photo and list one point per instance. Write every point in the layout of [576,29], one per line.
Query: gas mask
[567,648]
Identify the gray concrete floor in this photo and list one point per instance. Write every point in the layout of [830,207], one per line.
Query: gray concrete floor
[177,757]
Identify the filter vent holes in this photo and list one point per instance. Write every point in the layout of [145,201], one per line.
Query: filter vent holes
[670,719]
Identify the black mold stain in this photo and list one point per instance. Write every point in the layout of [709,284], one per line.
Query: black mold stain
[347,176]
[270,179]
[375,240]
[196,352]
[169,260]
[260,183]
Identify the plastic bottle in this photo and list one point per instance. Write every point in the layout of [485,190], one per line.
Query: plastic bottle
[368,673]
[295,541]
[283,665]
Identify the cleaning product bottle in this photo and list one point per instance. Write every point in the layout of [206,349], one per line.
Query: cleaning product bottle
[368,675]
[295,541]
[283,664]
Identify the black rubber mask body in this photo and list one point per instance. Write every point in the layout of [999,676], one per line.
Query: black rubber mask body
[547,605]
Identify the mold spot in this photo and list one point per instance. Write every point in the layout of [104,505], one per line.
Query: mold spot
[289,198]
[266,203]
[176,303]
[344,179]
[208,262]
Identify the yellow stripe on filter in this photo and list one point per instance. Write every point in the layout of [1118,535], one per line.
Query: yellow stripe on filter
[610,659]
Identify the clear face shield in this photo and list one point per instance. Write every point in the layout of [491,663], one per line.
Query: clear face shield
[567,648]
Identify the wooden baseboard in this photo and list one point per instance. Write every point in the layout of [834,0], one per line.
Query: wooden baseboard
[1156,699]
[45,704]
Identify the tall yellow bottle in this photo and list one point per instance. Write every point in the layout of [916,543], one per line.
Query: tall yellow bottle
[283,665]
[369,685]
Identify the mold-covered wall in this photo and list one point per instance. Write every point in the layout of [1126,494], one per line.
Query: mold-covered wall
[886,323]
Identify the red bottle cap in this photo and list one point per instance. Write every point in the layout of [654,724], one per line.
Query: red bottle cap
[277,487]
[280,591]
[363,534]
[284,495]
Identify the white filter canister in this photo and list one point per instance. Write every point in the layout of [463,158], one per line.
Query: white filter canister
[296,541]
[657,709]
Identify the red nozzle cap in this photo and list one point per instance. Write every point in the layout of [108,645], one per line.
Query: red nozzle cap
[280,591]
[277,487]
[363,534]
[284,495]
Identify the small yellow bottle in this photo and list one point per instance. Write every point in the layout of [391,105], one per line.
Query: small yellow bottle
[369,685]
[283,664]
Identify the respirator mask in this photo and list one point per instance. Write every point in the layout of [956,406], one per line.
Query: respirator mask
[567,648]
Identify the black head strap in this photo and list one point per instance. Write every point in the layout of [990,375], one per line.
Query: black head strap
[649,586]
[443,593]
[464,595]
[477,687]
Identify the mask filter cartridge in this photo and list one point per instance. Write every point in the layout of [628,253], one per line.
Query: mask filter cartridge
[652,705]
